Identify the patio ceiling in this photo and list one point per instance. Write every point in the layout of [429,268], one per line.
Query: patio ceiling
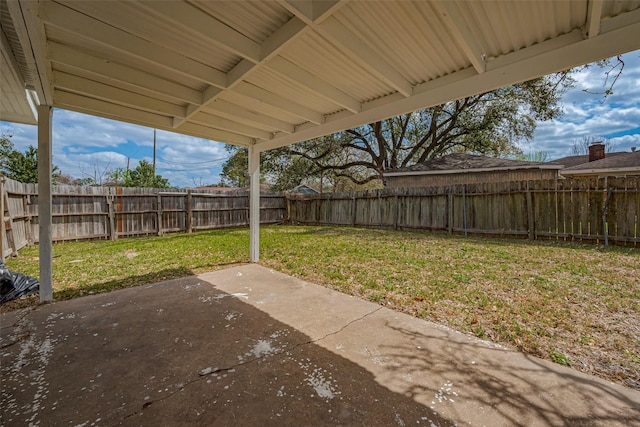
[272,73]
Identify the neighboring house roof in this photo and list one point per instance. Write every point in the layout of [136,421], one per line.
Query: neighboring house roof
[460,162]
[303,189]
[571,161]
[621,163]
[264,188]
[213,188]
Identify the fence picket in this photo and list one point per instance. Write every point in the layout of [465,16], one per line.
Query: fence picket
[109,213]
[568,209]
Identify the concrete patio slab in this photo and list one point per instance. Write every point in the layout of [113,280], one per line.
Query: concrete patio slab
[250,346]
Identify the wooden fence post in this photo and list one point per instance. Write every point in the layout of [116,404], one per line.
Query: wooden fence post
[3,233]
[353,210]
[159,206]
[450,212]
[113,233]
[464,208]
[379,209]
[27,219]
[189,219]
[287,199]
[530,216]
[396,210]
[7,225]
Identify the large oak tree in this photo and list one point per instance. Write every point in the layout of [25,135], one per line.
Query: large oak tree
[494,123]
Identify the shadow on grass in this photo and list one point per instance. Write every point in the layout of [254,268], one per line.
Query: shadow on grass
[373,233]
[112,285]
[522,389]
[121,283]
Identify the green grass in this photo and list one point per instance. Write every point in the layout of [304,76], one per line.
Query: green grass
[81,268]
[537,297]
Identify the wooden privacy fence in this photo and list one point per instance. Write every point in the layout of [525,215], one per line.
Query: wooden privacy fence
[113,212]
[595,210]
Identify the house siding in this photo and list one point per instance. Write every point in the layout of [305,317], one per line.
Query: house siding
[437,180]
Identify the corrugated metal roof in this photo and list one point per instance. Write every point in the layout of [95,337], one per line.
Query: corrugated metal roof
[257,20]
[12,37]
[418,46]
[295,92]
[137,19]
[315,55]
[79,47]
[291,70]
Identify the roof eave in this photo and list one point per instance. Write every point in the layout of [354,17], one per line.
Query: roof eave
[634,169]
[476,170]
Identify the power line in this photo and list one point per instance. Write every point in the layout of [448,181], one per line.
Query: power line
[196,163]
[185,170]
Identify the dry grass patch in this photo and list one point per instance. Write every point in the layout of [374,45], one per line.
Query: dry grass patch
[577,305]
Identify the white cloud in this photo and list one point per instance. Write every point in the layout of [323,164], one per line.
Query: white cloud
[89,165]
[626,142]
[591,115]
[83,144]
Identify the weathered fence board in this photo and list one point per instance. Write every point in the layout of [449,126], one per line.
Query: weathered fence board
[572,210]
[113,212]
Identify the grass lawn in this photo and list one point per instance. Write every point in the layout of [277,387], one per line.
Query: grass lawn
[577,305]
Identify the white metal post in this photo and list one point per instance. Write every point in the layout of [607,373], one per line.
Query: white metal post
[254,203]
[45,113]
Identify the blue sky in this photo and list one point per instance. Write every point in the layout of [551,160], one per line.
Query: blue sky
[616,118]
[87,146]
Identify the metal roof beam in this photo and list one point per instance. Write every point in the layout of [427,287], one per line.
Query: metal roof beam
[58,53]
[313,10]
[234,112]
[81,104]
[594,14]
[290,31]
[31,34]
[461,33]
[60,16]
[108,93]
[318,15]
[208,119]
[84,104]
[192,19]
[538,60]
[14,87]
[364,55]
[215,135]
[314,84]
[279,102]
[284,35]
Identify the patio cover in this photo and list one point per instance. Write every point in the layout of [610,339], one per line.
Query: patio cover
[265,74]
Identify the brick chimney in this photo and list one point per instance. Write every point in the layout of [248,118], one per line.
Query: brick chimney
[596,152]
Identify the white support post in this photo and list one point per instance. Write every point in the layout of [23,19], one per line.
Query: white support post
[254,203]
[45,113]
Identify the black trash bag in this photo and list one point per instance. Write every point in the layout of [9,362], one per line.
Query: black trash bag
[15,285]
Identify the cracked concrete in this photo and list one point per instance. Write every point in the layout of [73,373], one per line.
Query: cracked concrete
[250,346]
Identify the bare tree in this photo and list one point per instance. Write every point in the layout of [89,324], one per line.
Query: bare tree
[614,67]
[581,145]
[490,123]
[99,175]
